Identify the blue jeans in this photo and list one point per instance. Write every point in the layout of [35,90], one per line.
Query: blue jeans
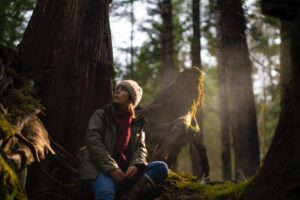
[104,187]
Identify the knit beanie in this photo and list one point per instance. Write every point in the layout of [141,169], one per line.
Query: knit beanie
[135,91]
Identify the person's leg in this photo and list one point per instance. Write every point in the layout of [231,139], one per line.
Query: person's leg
[104,187]
[157,171]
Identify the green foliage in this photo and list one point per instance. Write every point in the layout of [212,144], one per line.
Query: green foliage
[13,19]
[18,102]
[6,129]
[10,188]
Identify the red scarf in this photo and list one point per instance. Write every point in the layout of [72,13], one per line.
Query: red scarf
[123,121]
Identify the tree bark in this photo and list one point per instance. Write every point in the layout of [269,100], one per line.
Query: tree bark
[168,73]
[196,62]
[279,177]
[234,57]
[67,50]
[226,142]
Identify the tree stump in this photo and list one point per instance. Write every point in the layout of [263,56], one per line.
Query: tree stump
[171,120]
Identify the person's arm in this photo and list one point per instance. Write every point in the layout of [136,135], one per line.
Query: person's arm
[139,155]
[95,143]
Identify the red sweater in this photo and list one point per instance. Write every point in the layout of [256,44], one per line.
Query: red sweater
[123,121]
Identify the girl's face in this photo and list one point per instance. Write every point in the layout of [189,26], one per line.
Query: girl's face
[121,95]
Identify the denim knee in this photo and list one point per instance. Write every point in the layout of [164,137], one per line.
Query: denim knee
[157,171]
[104,188]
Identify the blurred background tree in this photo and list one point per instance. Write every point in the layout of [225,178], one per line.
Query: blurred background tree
[14,16]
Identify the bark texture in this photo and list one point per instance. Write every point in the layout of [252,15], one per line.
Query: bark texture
[168,73]
[224,122]
[196,62]
[67,50]
[233,55]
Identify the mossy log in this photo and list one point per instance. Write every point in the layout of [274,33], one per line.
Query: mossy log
[182,186]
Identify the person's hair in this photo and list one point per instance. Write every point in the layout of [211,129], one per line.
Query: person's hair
[131,109]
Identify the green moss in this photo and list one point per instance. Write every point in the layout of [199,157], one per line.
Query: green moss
[19,103]
[109,69]
[227,190]
[10,188]
[208,191]
[6,129]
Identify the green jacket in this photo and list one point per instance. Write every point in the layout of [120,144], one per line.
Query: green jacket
[96,156]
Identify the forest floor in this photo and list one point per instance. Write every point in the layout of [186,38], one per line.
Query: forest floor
[182,186]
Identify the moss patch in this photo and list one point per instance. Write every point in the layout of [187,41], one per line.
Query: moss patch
[18,102]
[10,188]
[6,129]
[179,186]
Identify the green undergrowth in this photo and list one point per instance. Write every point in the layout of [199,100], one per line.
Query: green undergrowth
[182,184]
[10,188]
[6,129]
[18,102]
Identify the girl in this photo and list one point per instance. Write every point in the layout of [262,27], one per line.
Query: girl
[115,156]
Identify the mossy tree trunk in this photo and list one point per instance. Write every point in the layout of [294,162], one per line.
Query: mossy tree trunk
[233,55]
[279,177]
[67,50]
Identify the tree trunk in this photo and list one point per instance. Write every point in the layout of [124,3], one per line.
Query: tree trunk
[234,57]
[279,177]
[196,62]
[224,120]
[168,72]
[132,21]
[67,50]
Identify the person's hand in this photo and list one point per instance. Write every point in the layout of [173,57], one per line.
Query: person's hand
[131,172]
[117,174]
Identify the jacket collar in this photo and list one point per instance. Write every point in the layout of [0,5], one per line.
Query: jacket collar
[139,121]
